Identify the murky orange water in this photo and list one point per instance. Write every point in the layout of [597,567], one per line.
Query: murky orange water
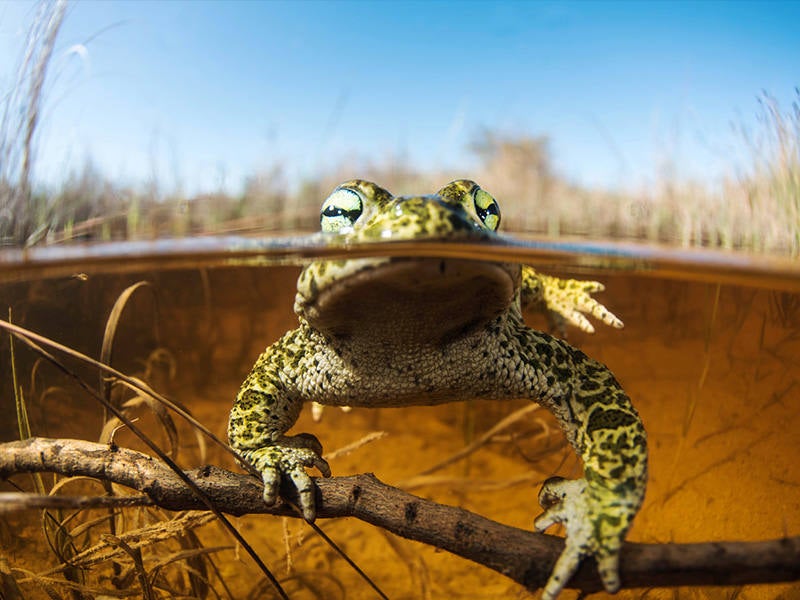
[714,370]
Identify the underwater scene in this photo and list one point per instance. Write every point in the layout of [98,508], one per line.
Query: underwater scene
[710,364]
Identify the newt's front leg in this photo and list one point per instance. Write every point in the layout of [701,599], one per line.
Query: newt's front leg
[266,406]
[565,300]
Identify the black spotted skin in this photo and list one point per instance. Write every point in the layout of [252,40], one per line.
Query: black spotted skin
[369,337]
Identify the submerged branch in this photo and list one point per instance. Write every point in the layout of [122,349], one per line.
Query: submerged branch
[16,501]
[523,556]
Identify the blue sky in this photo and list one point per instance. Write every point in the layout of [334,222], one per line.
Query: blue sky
[203,93]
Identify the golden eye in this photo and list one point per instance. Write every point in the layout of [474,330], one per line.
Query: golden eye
[340,210]
[487,209]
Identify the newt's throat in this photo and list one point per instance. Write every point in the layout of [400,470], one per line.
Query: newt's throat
[420,300]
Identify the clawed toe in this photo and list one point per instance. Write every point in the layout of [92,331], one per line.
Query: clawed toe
[289,458]
[608,567]
[570,503]
[558,498]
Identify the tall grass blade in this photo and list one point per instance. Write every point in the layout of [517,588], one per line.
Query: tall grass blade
[28,338]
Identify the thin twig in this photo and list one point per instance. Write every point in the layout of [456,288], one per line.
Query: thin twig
[16,501]
[470,448]
[168,462]
[523,556]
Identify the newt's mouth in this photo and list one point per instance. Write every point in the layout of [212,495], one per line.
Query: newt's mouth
[421,299]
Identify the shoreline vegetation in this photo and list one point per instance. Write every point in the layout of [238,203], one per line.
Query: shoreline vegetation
[756,210]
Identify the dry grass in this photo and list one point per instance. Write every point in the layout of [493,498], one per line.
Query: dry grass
[138,551]
[20,119]
[145,552]
[757,209]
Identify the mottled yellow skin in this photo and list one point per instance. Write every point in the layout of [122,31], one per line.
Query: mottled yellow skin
[398,331]
[564,300]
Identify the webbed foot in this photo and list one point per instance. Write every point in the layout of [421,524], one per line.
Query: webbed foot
[571,298]
[289,457]
[595,525]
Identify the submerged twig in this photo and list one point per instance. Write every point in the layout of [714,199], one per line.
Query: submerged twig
[29,336]
[168,463]
[16,501]
[349,448]
[472,447]
[136,384]
[523,556]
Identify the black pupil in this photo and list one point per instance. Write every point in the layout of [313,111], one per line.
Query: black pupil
[338,211]
[492,209]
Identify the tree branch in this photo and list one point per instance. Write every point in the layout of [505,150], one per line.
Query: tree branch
[523,556]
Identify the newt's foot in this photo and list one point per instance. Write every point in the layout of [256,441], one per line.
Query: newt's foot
[289,457]
[595,524]
[571,298]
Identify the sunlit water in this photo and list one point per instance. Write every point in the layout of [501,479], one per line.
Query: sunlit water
[710,355]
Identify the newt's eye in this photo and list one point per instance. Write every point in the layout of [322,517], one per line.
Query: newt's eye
[340,210]
[487,208]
